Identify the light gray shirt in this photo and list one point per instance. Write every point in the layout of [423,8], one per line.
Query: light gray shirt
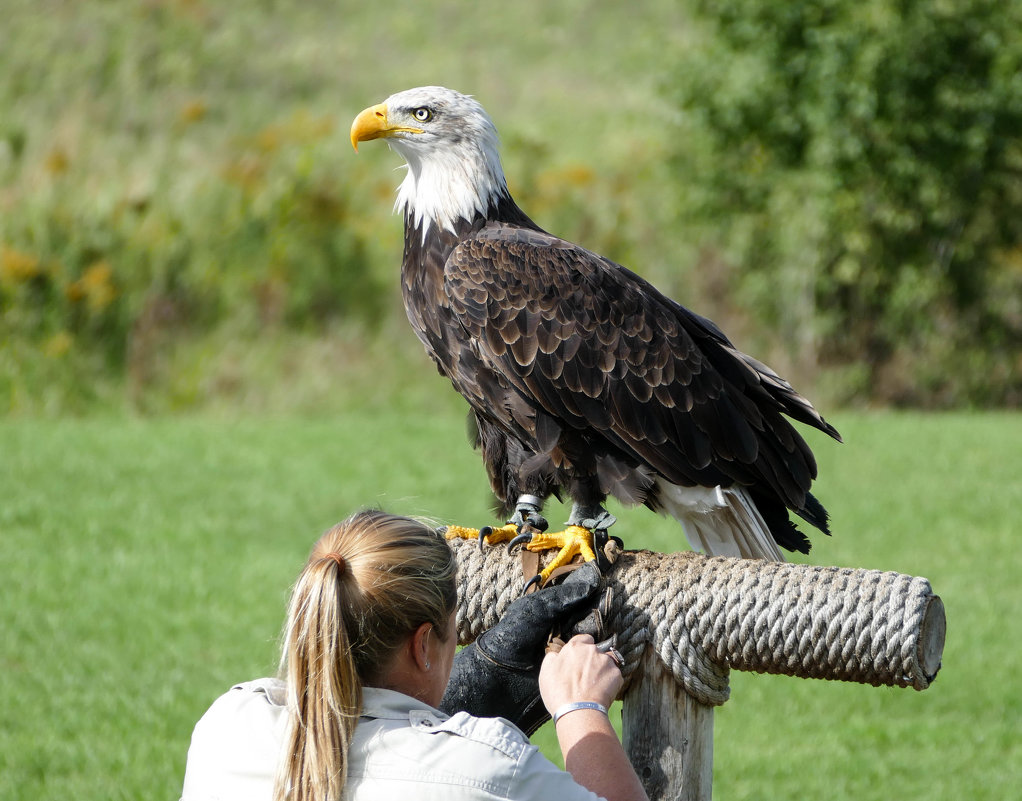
[402,749]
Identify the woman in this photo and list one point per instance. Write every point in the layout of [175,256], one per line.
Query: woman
[368,648]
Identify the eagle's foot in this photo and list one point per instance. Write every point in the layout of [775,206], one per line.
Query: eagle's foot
[573,541]
[487,535]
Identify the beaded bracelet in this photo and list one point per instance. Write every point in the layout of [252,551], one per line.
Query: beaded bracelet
[573,707]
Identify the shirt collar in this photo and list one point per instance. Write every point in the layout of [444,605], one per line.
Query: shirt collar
[392,705]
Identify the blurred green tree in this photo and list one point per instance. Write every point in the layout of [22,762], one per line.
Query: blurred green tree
[860,162]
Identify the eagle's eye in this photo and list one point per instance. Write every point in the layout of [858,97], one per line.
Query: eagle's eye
[422,114]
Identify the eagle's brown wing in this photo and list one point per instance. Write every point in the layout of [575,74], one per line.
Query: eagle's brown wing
[591,347]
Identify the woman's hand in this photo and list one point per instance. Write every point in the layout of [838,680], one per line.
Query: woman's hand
[592,752]
[578,672]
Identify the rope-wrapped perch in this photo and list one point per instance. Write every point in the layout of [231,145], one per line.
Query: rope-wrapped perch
[705,615]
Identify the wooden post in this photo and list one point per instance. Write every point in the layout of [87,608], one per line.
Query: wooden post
[667,734]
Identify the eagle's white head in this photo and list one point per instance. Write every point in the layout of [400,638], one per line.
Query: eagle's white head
[450,144]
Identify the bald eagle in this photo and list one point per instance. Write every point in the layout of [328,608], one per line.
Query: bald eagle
[583,379]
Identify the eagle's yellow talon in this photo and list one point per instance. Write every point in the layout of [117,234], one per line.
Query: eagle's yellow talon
[502,534]
[460,533]
[505,533]
[574,540]
[571,542]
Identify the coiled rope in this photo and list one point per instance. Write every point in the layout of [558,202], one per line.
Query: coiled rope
[705,615]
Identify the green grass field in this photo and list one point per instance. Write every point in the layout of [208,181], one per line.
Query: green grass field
[145,565]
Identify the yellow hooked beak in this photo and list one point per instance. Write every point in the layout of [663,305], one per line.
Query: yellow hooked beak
[372,124]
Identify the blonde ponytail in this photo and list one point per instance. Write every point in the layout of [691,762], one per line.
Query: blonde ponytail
[369,582]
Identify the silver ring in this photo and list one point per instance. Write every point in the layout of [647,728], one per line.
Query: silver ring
[607,647]
[530,500]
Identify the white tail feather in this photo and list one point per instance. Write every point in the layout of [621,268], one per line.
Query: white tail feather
[719,522]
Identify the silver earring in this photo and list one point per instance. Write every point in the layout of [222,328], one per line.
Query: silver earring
[427,666]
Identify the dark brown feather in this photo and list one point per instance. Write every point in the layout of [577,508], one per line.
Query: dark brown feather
[583,376]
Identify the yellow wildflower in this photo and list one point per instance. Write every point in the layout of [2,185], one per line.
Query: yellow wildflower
[16,266]
[192,111]
[95,286]
[57,345]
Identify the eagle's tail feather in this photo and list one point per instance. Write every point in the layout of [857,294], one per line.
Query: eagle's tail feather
[719,522]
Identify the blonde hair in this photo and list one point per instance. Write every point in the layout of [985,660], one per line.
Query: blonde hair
[370,581]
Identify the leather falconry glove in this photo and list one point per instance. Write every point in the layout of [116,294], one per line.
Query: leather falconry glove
[498,674]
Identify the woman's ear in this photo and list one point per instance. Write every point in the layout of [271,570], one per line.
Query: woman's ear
[419,644]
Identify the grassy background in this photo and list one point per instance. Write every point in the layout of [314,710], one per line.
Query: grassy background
[145,565]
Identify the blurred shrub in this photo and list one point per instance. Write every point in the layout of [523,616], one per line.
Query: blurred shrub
[160,186]
[861,164]
[264,243]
